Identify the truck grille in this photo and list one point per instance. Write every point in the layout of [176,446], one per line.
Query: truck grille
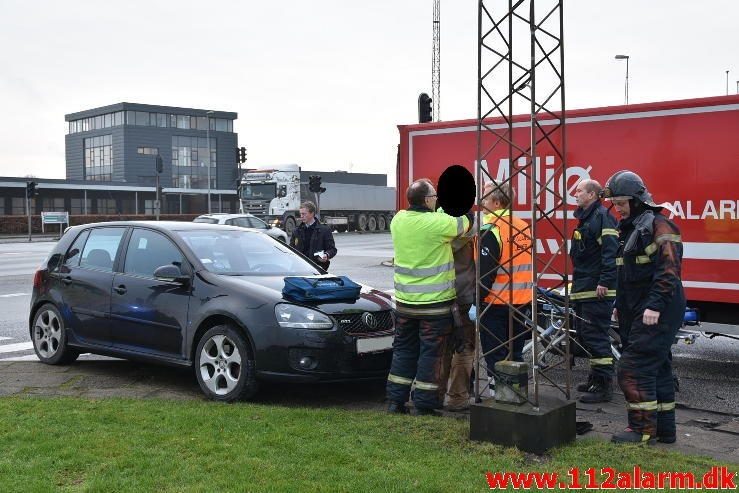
[357,323]
[256,207]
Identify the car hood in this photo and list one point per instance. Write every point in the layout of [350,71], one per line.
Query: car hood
[270,289]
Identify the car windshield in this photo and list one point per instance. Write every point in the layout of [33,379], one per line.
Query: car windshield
[206,220]
[261,191]
[243,253]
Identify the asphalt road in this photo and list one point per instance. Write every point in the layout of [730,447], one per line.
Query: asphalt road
[708,370]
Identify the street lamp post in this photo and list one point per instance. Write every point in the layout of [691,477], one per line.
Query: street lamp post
[727,82]
[737,87]
[207,137]
[626,87]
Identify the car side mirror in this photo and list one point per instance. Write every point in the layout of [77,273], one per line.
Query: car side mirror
[171,273]
[282,192]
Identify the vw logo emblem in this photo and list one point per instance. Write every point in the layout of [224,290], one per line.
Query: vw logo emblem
[369,320]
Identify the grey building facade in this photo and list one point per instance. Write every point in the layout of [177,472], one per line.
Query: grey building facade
[119,144]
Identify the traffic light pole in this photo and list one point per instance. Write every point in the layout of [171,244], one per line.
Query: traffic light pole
[28,210]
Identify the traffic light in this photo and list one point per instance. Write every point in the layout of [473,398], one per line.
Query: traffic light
[31,191]
[159,164]
[424,108]
[238,155]
[314,184]
[243,154]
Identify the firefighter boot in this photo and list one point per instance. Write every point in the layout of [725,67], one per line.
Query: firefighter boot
[631,436]
[396,408]
[583,387]
[666,432]
[601,390]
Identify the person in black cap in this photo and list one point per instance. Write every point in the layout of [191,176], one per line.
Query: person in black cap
[650,307]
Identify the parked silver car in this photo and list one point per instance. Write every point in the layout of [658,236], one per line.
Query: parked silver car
[243,221]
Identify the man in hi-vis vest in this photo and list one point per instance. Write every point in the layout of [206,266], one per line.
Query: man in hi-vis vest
[424,293]
[505,273]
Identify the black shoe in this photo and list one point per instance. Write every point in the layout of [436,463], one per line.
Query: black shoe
[631,436]
[666,438]
[422,411]
[600,391]
[397,408]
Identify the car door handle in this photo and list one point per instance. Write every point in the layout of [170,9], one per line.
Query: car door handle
[120,289]
[67,280]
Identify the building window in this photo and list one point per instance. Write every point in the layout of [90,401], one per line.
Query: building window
[148,151]
[50,204]
[79,207]
[149,207]
[99,158]
[190,162]
[106,206]
[19,206]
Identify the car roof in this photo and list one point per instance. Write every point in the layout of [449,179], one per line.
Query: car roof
[225,215]
[168,225]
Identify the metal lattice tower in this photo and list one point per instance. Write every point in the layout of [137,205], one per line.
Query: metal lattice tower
[436,64]
[521,71]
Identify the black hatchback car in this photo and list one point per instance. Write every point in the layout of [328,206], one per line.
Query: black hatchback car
[205,296]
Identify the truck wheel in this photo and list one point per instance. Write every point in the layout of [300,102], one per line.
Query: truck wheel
[362,222]
[342,228]
[372,223]
[289,226]
[381,223]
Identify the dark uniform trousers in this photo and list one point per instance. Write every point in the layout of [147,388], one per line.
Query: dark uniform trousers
[417,355]
[592,324]
[645,376]
[494,333]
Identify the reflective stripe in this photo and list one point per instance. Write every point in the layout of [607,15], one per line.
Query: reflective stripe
[651,248]
[424,271]
[608,232]
[668,237]
[619,261]
[666,406]
[642,406]
[426,386]
[499,286]
[423,288]
[399,380]
[645,437]
[419,310]
[515,268]
[590,294]
[460,225]
[601,361]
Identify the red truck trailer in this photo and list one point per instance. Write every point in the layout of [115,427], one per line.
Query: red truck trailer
[687,152]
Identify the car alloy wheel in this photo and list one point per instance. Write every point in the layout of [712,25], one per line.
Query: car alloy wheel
[223,366]
[49,338]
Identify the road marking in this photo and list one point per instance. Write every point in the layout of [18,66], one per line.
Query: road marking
[11,348]
[30,357]
[13,295]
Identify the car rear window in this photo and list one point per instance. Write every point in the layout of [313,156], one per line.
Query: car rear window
[205,220]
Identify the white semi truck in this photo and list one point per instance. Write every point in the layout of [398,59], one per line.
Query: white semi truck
[351,202]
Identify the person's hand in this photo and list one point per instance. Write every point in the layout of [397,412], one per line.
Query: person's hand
[614,315]
[324,258]
[650,317]
[601,291]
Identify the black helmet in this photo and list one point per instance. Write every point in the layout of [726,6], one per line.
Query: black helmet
[627,184]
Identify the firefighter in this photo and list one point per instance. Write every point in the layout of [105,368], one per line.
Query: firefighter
[505,273]
[424,292]
[593,253]
[650,306]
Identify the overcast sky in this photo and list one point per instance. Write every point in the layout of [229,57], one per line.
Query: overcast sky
[322,83]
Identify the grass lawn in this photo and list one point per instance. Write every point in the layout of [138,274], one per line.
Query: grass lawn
[158,445]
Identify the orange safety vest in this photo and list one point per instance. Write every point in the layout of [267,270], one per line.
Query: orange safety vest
[513,272]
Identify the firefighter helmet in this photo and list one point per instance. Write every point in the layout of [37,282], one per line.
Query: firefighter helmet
[627,184]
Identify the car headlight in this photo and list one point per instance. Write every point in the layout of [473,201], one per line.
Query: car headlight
[300,317]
